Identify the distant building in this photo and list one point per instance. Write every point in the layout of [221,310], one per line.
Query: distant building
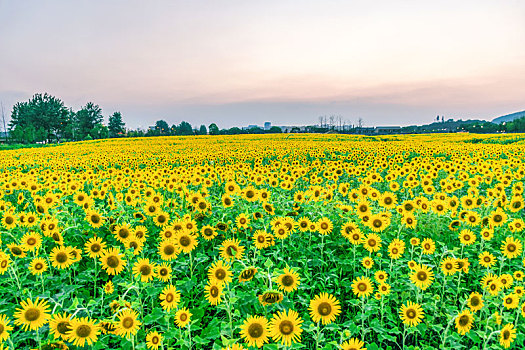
[267,125]
[387,130]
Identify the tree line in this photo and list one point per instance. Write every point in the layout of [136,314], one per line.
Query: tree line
[45,118]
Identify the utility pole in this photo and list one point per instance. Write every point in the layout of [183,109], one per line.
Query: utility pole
[3,120]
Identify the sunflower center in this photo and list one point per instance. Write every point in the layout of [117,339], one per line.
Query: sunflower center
[95,219]
[113,261]
[39,266]
[123,233]
[231,250]
[169,297]
[9,220]
[208,232]
[506,334]
[255,330]
[83,331]
[261,239]
[183,317]
[361,287]
[464,320]
[286,327]
[324,226]
[31,241]
[32,314]
[474,301]
[128,322]
[324,309]
[185,241]
[377,223]
[16,250]
[511,248]
[169,250]
[372,242]
[63,327]
[145,270]
[214,291]
[422,276]
[95,248]
[287,281]
[220,274]
[155,340]
[163,272]
[61,257]
[411,314]
[508,301]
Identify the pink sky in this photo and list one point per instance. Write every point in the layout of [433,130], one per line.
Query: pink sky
[245,62]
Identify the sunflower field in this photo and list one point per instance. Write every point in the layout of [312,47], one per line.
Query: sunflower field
[272,242]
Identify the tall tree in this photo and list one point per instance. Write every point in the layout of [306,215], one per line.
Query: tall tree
[202,130]
[213,129]
[42,112]
[87,118]
[185,128]
[116,125]
[162,127]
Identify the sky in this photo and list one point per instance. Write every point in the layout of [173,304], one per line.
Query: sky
[242,62]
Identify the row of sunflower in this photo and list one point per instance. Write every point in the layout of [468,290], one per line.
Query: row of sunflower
[263,241]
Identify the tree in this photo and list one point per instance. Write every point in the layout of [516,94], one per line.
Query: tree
[86,119]
[214,129]
[202,130]
[42,111]
[275,130]
[185,128]
[116,125]
[162,127]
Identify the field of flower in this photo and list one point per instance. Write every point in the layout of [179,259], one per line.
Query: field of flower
[273,242]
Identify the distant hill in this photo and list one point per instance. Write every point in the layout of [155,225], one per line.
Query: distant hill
[509,117]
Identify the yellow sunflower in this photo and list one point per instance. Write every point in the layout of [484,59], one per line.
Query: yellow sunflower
[325,308]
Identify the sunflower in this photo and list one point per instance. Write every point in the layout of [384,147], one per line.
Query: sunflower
[254,331]
[163,272]
[32,241]
[411,313]
[127,323]
[352,344]
[38,266]
[487,260]
[144,269]
[506,280]
[122,232]
[494,287]
[511,247]
[154,340]
[242,221]
[247,274]
[161,219]
[380,276]
[208,232]
[32,315]
[383,289]
[507,335]
[497,218]
[220,272]
[187,241]
[286,327]
[169,250]
[467,237]
[260,239]
[61,257]
[169,297]
[213,292]
[113,261]
[183,317]
[449,266]
[422,276]
[372,242]
[324,226]
[487,233]
[464,321]
[5,327]
[94,219]
[475,301]
[362,286]
[109,288]
[59,325]
[511,301]
[428,246]
[95,247]
[9,220]
[378,223]
[270,297]
[83,331]
[325,308]
[231,249]
[288,280]
[17,250]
